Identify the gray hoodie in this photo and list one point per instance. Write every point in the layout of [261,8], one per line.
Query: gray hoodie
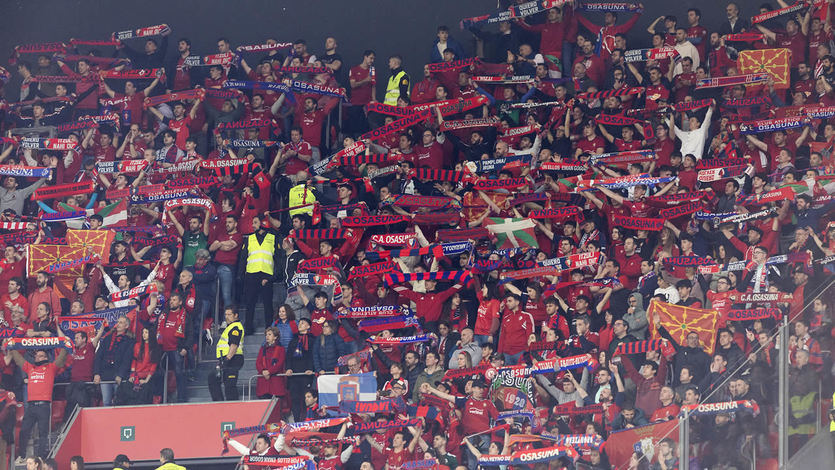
[637,320]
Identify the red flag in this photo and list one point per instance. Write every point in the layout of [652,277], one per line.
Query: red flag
[622,444]
[679,321]
[774,62]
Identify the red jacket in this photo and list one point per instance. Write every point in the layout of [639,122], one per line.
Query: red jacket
[271,358]
[141,368]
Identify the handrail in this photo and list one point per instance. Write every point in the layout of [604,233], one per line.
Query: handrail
[249,382]
[821,289]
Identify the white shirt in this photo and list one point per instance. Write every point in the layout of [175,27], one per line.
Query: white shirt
[693,141]
[687,49]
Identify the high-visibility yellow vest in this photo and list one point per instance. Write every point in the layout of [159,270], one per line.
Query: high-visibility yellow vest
[223,342]
[299,196]
[393,89]
[260,255]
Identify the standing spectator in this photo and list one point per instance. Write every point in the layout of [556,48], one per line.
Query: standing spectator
[113,359]
[41,377]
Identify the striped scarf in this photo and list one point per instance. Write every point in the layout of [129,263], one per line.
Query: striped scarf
[439,175]
[459,277]
[589,96]
[319,233]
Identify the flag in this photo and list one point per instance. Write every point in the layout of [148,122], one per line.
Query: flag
[774,62]
[680,320]
[94,241]
[334,389]
[512,233]
[114,215]
[554,65]
[40,257]
[621,444]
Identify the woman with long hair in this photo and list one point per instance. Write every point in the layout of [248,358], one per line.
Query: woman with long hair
[285,323]
[146,354]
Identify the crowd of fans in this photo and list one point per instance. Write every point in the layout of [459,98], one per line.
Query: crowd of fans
[280,176]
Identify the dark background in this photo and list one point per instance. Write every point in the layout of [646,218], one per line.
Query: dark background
[405,27]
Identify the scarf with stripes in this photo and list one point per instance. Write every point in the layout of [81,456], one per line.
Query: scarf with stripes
[195,94]
[439,175]
[451,235]
[368,427]
[376,311]
[376,325]
[401,340]
[63,190]
[625,91]
[639,347]
[459,277]
[733,80]
[431,202]
[396,126]
[319,233]
[256,86]
[222,167]
[452,65]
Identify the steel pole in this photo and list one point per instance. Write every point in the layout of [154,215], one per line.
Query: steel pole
[783,397]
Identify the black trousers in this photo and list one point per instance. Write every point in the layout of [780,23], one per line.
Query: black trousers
[224,385]
[37,412]
[78,394]
[297,386]
[253,292]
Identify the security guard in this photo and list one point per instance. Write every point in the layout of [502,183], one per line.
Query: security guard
[398,84]
[257,268]
[230,356]
[301,197]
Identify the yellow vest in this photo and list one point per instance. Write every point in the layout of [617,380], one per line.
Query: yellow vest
[299,196]
[260,256]
[223,342]
[393,89]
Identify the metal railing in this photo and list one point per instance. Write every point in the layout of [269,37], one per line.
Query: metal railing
[248,394]
[781,334]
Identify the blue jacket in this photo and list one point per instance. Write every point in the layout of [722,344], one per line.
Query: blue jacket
[325,357]
[451,43]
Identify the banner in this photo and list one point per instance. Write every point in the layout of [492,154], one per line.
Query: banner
[621,444]
[335,389]
[679,321]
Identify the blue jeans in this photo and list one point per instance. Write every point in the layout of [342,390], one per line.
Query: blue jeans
[481,340]
[107,392]
[512,359]
[482,443]
[178,363]
[226,275]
